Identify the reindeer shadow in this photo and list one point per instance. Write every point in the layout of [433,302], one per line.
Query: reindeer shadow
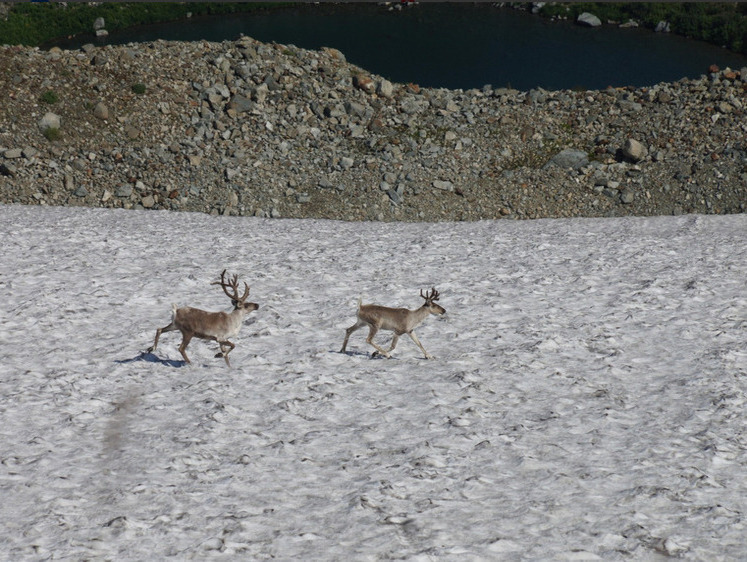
[373,356]
[152,358]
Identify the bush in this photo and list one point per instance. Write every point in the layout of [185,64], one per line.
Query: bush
[49,97]
[52,134]
[139,89]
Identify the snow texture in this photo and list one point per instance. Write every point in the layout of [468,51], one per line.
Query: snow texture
[586,400]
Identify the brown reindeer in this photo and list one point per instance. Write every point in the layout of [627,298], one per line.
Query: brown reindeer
[398,320]
[216,326]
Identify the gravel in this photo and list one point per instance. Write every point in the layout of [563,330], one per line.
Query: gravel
[247,128]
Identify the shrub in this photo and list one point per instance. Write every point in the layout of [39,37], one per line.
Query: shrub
[49,97]
[52,134]
[139,89]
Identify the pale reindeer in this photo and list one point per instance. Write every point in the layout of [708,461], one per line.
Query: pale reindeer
[398,320]
[214,326]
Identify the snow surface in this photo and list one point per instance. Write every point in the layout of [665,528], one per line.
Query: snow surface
[587,398]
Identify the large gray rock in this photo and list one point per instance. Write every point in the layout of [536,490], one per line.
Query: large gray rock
[634,150]
[588,20]
[385,89]
[569,158]
[443,185]
[240,104]
[49,121]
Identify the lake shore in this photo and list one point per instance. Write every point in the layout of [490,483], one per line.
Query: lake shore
[247,128]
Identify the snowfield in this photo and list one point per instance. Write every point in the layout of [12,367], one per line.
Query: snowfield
[586,400]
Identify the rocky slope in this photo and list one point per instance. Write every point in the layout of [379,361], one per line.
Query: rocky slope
[246,128]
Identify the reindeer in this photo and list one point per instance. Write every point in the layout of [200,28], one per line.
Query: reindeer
[217,326]
[398,320]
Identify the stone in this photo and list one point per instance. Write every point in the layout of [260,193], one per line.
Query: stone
[394,196]
[627,196]
[589,20]
[99,23]
[260,93]
[12,153]
[443,185]
[123,191]
[50,121]
[569,158]
[634,150]
[101,111]
[363,82]
[662,27]
[131,132]
[240,104]
[536,96]
[148,201]
[385,89]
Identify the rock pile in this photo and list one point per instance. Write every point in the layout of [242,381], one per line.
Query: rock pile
[246,128]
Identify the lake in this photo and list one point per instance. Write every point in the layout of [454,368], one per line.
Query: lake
[458,45]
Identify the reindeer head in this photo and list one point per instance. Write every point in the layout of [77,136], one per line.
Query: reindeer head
[432,307]
[237,301]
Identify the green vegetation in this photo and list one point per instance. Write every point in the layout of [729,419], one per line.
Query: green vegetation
[52,134]
[139,89]
[36,23]
[721,23]
[49,97]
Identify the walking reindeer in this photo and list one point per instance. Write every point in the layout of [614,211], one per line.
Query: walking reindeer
[398,320]
[214,326]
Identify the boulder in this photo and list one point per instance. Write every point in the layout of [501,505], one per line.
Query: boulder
[49,121]
[569,158]
[634,150]
[443,185]
[627,196]
[240,104]
[589,20]
[385,89]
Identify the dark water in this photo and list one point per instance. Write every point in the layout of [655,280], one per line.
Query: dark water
[460,46]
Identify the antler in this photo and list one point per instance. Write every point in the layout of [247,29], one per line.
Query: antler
[233,284]
[430,296]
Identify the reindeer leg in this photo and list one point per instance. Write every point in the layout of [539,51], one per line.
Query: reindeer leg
[223,352]
[353,328]
[369,339]
[186,338]
[168,328]
[417,341]
[394,342]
